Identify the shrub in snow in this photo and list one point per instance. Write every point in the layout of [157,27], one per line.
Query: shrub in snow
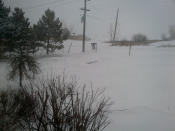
[16,107]
[55,104]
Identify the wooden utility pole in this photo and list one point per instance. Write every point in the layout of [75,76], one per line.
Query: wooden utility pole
[130,48]
[84,27]
[84,24]
[116,22]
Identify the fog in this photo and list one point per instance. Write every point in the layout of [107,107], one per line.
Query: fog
[150,17]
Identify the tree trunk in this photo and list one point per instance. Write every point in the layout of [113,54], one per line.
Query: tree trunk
[20,77]
[47,48]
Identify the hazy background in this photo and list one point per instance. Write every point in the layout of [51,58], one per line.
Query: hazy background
[150,17]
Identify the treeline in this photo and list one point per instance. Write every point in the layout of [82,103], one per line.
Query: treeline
[16,30]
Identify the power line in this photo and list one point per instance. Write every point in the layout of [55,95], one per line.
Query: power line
[42,4]
[101,20]
[51,3]
[67,3]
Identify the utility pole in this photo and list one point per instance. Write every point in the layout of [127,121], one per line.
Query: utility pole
[84,24]
[116,22]
[130,48]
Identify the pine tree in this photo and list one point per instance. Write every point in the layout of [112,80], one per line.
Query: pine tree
[4,20]
[4,26]
[20,48]
[49,31]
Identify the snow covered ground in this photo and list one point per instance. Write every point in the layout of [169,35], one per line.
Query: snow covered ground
[142,85]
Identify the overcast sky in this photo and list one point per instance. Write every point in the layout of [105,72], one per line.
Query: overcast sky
[150,17]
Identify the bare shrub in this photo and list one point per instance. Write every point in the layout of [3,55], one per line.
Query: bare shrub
[16,107]
[53,105]
[64,106]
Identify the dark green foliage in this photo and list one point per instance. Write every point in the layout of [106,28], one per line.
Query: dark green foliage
[19,36]
[21,47]
[4,20]
[20,33]
[49,31]
[23,66]
[4,26]
[4,11]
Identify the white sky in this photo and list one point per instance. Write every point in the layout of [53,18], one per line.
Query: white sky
[150,17]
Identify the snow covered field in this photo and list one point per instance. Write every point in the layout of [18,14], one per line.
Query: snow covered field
[142,85]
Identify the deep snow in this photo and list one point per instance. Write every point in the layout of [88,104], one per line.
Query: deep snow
[142,85]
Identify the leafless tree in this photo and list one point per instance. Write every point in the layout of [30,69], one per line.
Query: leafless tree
[139,38]
[172,32]
[164,37]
